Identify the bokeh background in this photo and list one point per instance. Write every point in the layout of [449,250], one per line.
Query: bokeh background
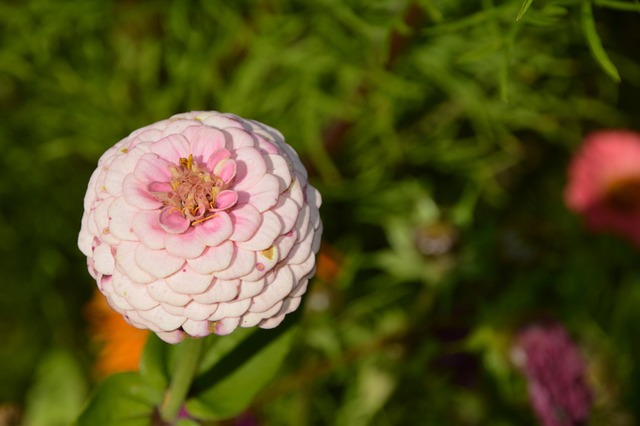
[439,133]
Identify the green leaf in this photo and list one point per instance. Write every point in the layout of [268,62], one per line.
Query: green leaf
[123,399]
[595,44]
[230,385]
[523,9]
[153,363]
[619,5]
[58,394]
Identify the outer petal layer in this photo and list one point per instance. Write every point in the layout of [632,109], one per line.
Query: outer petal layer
[175,258]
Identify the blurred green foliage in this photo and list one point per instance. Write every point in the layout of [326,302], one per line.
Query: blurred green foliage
[438,132]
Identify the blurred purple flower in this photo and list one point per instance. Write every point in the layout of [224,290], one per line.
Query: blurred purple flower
[555,373]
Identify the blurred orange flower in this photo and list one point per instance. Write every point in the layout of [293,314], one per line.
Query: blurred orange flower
[119,344]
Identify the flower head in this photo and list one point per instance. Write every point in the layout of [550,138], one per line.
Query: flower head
[604,183]
[199,224]
[555,373]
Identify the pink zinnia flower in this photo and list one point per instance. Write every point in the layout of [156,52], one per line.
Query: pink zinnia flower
[555,374]
[199,224]
[604,183]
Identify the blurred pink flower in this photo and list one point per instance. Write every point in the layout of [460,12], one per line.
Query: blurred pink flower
[199,224]
[604,183]
[555,374]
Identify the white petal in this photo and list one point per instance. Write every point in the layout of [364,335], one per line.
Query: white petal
[184,245]
[147,227]
[251,319]
[248,289]
[242,263]
[125,261]
[226,326]
[219,291]
[263,195]
[230,310]
[104,262]
[266,235]
[196,328]
[213,259]
[158,263]
[161,291]
[162,319]
[121,215]
[188,281]
[274,292]
[199,311]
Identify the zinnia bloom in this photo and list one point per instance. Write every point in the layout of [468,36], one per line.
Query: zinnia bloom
[604,183]
[555,373]
[200,224]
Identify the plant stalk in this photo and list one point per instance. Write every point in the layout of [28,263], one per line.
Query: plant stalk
[184,371]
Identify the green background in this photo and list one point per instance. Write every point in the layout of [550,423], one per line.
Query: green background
[420,122]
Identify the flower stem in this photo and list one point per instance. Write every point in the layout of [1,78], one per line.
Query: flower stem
[183,372]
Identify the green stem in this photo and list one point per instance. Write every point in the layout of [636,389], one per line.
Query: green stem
[183,372]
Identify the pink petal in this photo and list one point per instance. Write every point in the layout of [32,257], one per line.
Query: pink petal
[266,260]
[220,121]
[217,157]
[226,199]
[265,235]
[226,326]
[188,281]
[175,125]
[152,168]
[171,337]
[172,221]
[172,148]
[117,302]
[246,220]
[278,166]
[242,263]
[305,268]
[122,215]
[162,319]
[220,291]
[300,289]
[136,294]
[225,170]
[248,289]
[161,291]
[272,322]
[230,309]
[156,186]
[204,141]
[250,168]
[184,245]
[240,138]
[287,210]
[146,226]
[158,263]
[136,194]
[196,328]
[263,195]
[125,261]
[302,249]
[199,311]
[274,292]
[284,243]
[85,238]
[104,262]
[251,319]
[114,176]
[213,259]
[214,231]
